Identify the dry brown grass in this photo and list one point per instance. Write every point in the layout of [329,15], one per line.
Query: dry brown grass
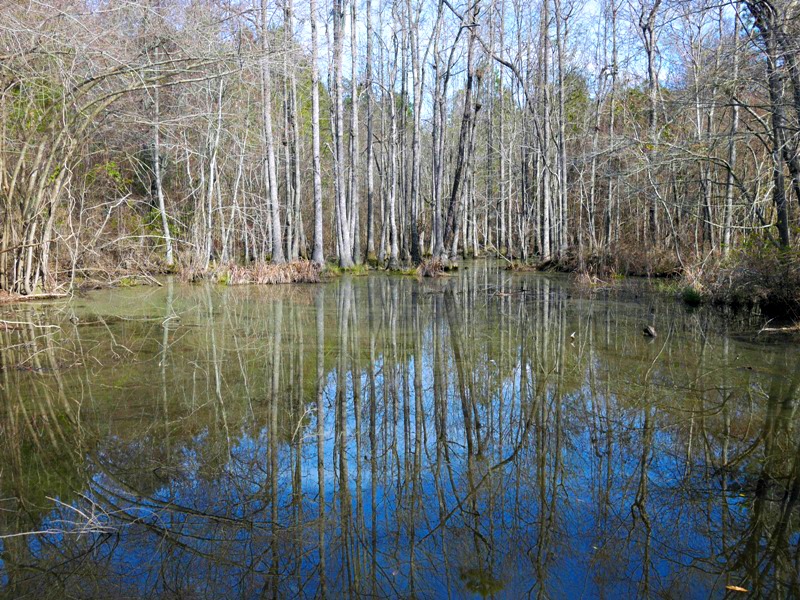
[261,273]
[8,297]
[518,266]
[763,277]
[193,274]
[258,273]
[627,260]
[433,267]
[588,281]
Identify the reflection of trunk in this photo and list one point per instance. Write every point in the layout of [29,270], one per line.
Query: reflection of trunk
[162,360]
[321,498]
[355,375]
[639,507]
[466,408]
[298,408]
[416,483]
[275,395]
[373,450]
[341,436]
[219,406]
[440,421]
[34,425]
[764,551]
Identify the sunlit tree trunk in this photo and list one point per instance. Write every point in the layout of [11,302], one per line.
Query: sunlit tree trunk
[271,175]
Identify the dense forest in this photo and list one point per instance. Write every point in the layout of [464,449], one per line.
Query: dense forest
[650,137]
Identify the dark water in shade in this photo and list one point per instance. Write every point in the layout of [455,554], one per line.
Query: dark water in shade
[384,437]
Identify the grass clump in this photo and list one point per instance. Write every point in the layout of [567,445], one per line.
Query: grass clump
[520,266]
[358,270]
[668,286]
[587,280]
[334,270]
[432,267]
[261,273]
[126,282]
[691,296]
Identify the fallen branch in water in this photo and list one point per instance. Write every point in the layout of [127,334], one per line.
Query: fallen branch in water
[8,299]
[151,279]
[788,329]
[12,325]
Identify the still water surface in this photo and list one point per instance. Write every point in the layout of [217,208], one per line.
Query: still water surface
[489,434]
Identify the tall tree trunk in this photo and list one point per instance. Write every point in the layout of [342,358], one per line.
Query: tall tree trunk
[345,245]
[370,147]
[162,206]
[319,252]
[775,92]
[416,74]
[647,25]
[612,207]
[269,143]
[727,236]
[454,206]
[561,35]
[354,137]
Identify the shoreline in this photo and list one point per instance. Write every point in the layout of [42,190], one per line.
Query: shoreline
[676,285]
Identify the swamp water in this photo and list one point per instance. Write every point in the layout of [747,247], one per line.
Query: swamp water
[383,437]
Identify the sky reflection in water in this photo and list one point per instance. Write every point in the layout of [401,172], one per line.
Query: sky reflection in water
[381,437]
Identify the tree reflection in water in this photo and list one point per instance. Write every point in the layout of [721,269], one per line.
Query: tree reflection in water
[383,437]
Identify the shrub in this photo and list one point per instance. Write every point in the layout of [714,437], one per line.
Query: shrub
[691,296]
[625,260]
[127,281]
[759,275]
[642,261]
